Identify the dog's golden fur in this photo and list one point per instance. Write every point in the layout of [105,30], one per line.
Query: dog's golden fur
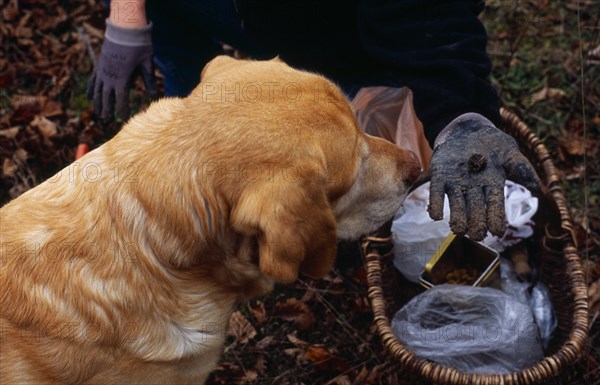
[125,267]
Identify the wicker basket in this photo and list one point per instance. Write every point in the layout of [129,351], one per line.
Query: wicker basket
[560,269]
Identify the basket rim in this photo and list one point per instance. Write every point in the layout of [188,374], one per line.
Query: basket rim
[550,366]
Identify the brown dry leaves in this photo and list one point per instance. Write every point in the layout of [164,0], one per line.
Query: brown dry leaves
[592,273]
[41,42]
[319,335]
[295,311]
[240,328]
[43,64]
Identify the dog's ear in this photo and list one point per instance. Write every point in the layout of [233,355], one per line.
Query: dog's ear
[216,65]
[294,225]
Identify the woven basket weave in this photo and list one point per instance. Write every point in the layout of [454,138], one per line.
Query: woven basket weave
[552,244]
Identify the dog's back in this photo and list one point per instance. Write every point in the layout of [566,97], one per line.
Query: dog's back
[81,296]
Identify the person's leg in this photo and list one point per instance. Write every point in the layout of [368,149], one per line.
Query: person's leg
[181,49]
[187,34]
[220,19]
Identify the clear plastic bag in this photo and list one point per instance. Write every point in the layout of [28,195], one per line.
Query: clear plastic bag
[472,329]
[536,296]
[543,312]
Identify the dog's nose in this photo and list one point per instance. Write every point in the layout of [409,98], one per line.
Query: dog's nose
[412,168]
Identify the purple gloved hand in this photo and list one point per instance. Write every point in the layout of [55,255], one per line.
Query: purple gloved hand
[470,162]
[124,51]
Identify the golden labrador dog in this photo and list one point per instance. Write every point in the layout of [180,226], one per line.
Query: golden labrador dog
[125,266]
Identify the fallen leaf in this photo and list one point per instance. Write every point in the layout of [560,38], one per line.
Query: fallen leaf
[26,107]
[594,297]
[23,32]
[10,133]
[63,79]
[576,173]
[265,343]
[21,154]
[249,376]
[547,93]
[320,356]
[361,305]
[295,311]
[359,275]
[93,31]
[11,10]
[44,23]
[574,146]
[228,368]
[591,269]
[309,295]
[51,108]
[240,328]
[261,365]
[293,352]
[361,377]
[541,4]
[46,127]
[340,380]
[579,5]
[9,168]
[7,76]
[259,313]
[317,353]
[296,341]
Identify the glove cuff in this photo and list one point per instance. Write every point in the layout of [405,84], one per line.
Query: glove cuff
[471,117]
[132,37]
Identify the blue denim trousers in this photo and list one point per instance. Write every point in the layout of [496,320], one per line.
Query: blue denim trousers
[187,35]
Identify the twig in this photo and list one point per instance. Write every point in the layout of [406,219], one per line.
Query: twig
[540,119]
[500,53]
[86,40]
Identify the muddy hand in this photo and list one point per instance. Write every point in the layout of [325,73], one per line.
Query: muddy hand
[470,162]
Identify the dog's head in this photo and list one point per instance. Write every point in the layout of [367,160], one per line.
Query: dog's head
[313,176]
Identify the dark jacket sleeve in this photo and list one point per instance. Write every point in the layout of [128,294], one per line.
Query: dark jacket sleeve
[438,49]
[435,47]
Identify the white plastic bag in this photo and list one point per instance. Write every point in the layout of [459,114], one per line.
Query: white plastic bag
[472,329]
[415,235]
[520,208]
